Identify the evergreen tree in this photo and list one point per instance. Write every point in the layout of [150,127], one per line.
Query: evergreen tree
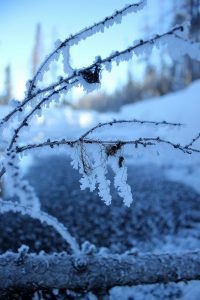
[8,85]
[4,99]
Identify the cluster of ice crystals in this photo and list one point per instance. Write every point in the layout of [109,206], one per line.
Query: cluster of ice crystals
[108,66]
[120,178]
[46,67]
[125,57]
[66,60]
[92,162]
[100,172]
[144,49]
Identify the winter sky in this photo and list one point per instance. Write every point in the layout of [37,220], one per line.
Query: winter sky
[18,20]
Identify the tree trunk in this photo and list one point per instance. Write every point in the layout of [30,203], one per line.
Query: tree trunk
[95,272]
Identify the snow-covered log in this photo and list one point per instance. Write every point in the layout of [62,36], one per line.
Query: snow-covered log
[95,272]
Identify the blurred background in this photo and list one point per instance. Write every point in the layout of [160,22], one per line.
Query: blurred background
[29,30]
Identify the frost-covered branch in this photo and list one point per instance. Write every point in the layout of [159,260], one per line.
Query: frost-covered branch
[43,217]
[85,33]
[92,156]
[94,161]
[150,141]
[37,107]
[118,56]
[138,47]
[140,122]
[95,272]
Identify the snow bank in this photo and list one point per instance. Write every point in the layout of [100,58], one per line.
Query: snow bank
[182,106]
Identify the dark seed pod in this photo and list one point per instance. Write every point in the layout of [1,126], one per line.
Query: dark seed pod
[112,150]
[92,75]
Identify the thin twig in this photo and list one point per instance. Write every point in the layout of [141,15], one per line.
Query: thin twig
[114,122]
[141,141]
[26,119]
[193,141]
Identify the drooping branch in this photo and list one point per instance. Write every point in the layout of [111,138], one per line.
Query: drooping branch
[38,106]
[140,122]
[147,141]
[26,119]
[116,55]
[141,141]
[95,272]
[87,32]
[108,60]
[43,217]
[72,39]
